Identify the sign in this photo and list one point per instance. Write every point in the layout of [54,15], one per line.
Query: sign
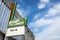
[18,22]
[20,30]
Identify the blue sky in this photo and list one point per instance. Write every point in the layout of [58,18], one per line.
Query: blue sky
[43,17]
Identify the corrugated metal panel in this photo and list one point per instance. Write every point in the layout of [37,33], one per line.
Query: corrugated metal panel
[4,17]
[0,2]
[1,16]
[3,21]
[1,9]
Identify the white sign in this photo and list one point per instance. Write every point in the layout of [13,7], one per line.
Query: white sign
[16,31]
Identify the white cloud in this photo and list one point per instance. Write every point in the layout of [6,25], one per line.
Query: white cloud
[44,0]
[42,4]
[54,10]
[18,6]
[36,30]
[52,32]
[40,22]
[23,13]
[37,16]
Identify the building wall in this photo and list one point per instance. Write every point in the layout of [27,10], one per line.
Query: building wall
[9,38]
[4,17]
[17,33]
[28,34]
[16,37]
[19,37]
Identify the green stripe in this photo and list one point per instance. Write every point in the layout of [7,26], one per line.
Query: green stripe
[13,13]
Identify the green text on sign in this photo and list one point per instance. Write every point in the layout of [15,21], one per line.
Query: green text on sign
[18,22]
